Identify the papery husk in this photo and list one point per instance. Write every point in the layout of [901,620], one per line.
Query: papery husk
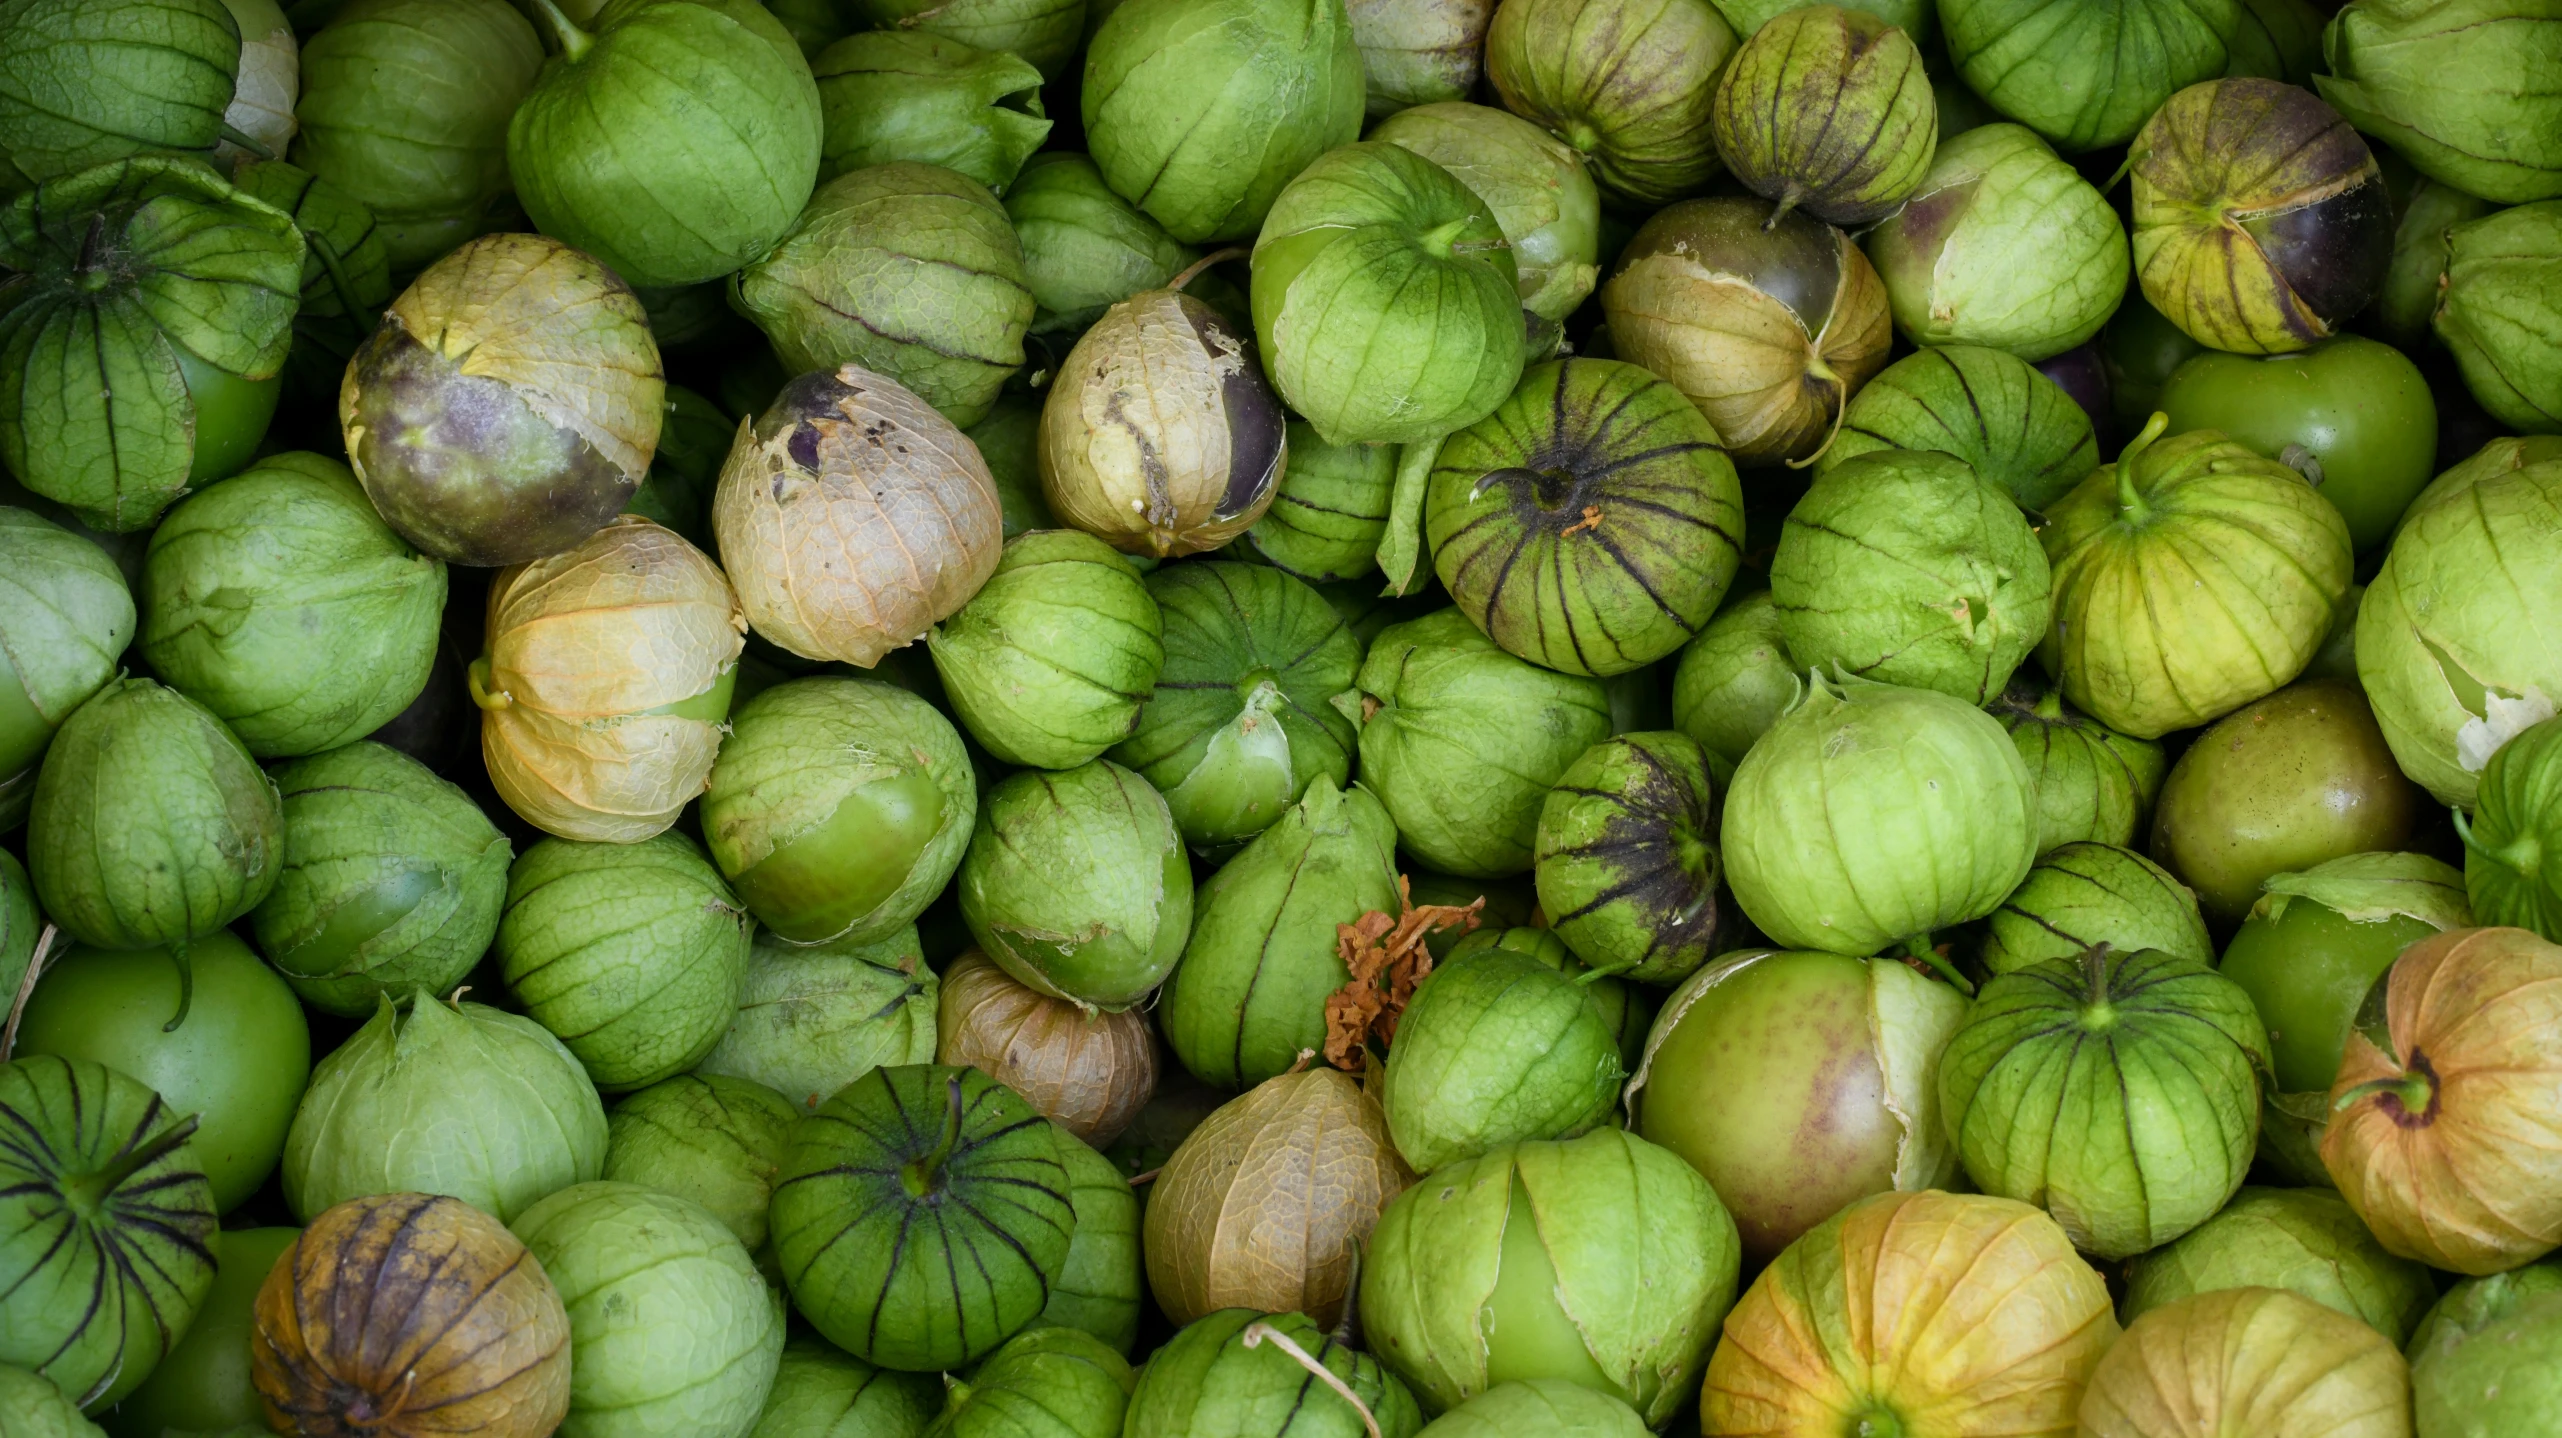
[1160,435]
[2467,1181]
[1089,1070]
[1972,1314]
[1773,379]
[2261,220]
[269,80]
[2190,578]
[542,319]
[405,1315]
[1265,1205]
[853,517]
[2257,1361]
[588,651]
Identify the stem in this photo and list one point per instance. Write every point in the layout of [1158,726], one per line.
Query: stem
[1192,271]
[107,1180]
[26,989]
[92,245]
[1817,369]
[476,679]
[560,35]
[922,1176]
[1789,195]
[254,147]
[1920,948]
[1260,1332]
[2130,505]
[332,265]
[2414,1090]
[1348,1327]
[186,986]
[2050,705]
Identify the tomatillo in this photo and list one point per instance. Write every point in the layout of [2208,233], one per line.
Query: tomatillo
[2352,414]
[237,1060]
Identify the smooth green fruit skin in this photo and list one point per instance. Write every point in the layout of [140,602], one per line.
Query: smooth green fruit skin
[2360,409]
[616,152]
[1790,1034]
[1077,884]
[2141,350]
[2307,972]
[632,954]
[633,1266]
[1206,1380]
[152,824]
[281,602]
[2513,846]
[202,1386]
[393,879]
[2277,787]
[2304,1240]
[65,619]
[238,1062]
[1494,1048]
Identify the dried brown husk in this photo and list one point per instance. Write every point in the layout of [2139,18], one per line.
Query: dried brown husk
[1160,435]
[2448,1143]
[853,517]
[1770,328]
[1090,1071]
[586,653]
[1266,1203]
[405,1316]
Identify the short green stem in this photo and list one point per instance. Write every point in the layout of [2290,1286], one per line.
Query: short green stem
[2414,1091]
[924,1176]
[1920,949]
[2131,506]
[560,34]
[88,1191]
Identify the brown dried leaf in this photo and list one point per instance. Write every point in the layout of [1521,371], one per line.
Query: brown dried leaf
[1387,959]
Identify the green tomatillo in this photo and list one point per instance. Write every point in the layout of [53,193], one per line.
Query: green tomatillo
[1386,303]
[838,807]
[84,83]
[65,619]
[1627,865]
[145,332]
[1077,884]
[1827,109]
[611,151]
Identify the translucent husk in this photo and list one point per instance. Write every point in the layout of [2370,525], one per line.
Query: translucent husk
[2260,1361]
[1266,1203]
[2445,1141]
[605,684]
[1089,1070]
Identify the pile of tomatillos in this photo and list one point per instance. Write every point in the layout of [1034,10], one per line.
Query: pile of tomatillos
[1280,718]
